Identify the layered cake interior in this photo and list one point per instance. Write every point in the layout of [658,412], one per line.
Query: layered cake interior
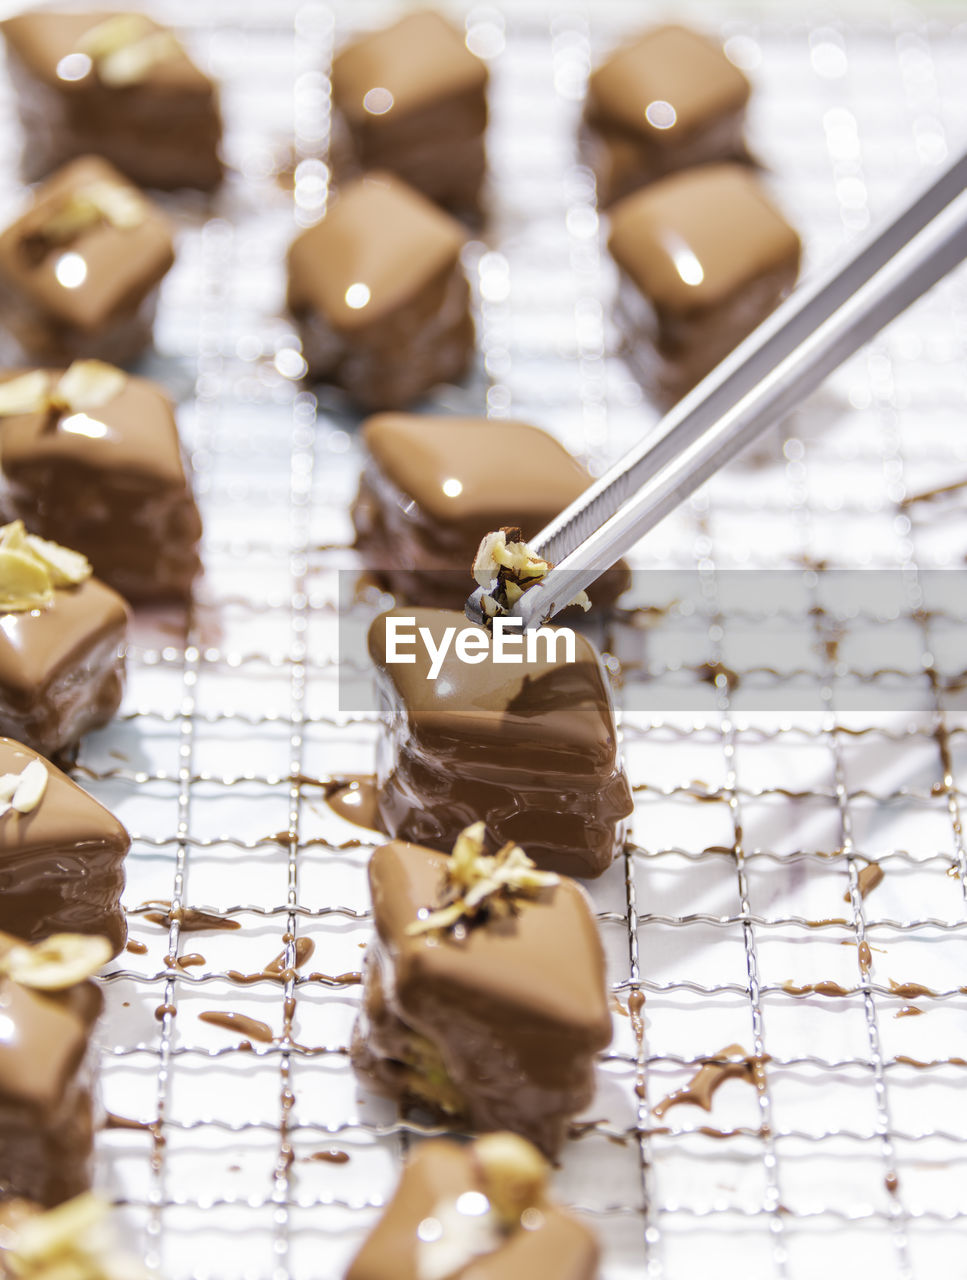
[489,1015]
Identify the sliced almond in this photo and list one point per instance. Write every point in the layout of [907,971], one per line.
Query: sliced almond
[65,567]
[24,584]
[31,787]
[8,785]
[48,1236]
[513,1172]
[114,33]
[131,63]
[26,394]
[88,384]
[58,962]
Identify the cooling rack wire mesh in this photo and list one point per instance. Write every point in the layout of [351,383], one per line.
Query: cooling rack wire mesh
[750,830]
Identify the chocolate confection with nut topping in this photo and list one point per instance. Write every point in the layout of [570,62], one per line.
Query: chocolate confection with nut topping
[433,486]
[493,1023]
[46,1105]
[61,860]
[478,1210]
[80,268]
[61,646]
[412,99]
[103,473]
[116,85]
[666,101]
[530,748]
[379,295]
[704,258]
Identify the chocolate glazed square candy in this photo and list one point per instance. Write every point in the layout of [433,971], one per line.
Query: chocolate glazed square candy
[477,1209]
[116,85]
[412,98]
[433,486]
[704,257]
[379,295]
[666,101]
[46,1086]
[492,1024]
[102,472]
[529,748]
[61,861]
[80,268]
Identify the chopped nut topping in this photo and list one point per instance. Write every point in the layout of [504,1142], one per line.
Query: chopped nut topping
[84,385]
[506,567]
[514,1174]
[125,47]
[478,882]
[87,206]
[56,963]
[23,791]
[71,1242]
[32,569]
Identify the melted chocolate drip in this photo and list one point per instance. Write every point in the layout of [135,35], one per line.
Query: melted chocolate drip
[712,1074]
[239,1022]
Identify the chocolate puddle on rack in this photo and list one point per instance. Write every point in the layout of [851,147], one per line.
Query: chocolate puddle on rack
[160,911]
[730,1063]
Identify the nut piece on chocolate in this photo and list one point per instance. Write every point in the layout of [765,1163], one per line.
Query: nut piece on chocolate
[412,99]
[61,644]
[116,85]
[506,567]
[528,748]
[704,258]
[46,1121]
[62,861]
[666,101]
[379,294]
[493,1023]
[80,268]
[434,1226]
[433,486]
[102,472]
[70,1242]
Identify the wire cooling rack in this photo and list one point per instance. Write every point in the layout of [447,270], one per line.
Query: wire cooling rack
[752,828]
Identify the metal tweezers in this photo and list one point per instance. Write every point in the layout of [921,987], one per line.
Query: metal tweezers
[820,325]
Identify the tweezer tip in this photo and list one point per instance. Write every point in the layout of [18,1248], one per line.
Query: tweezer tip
[474,608]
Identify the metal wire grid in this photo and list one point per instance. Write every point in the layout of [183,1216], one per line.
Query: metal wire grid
[745,823]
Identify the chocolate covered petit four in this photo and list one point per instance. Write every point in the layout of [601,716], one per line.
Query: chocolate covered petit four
[80,268]
[376,287]
[116,85]
[485,998]
[61,853]
[61,644]
[48,1009]
[529,747]
[668,100]
[412,99]
[91,458]
[704,257]
[480,1209]
[433,486]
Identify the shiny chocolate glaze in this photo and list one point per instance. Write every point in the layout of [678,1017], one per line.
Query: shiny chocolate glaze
[666,101]
[704,258]
[62,667]
[531,749]
[514,1009]
[433,486]
[62,864]
[559,1247]
[112,484]
[163,131]
[108,312]
[46,1106]
[412,99]
[379,295]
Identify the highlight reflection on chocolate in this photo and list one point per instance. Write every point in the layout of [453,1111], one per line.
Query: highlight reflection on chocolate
[75,284]
[115,85]
[425,1213]
[412,99]
[704,258]
[495,1025]
[377,290]
[62,864]
[46,1109]
[111,483]
[531,749]
[62,667]
[666,101]
[433,486]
